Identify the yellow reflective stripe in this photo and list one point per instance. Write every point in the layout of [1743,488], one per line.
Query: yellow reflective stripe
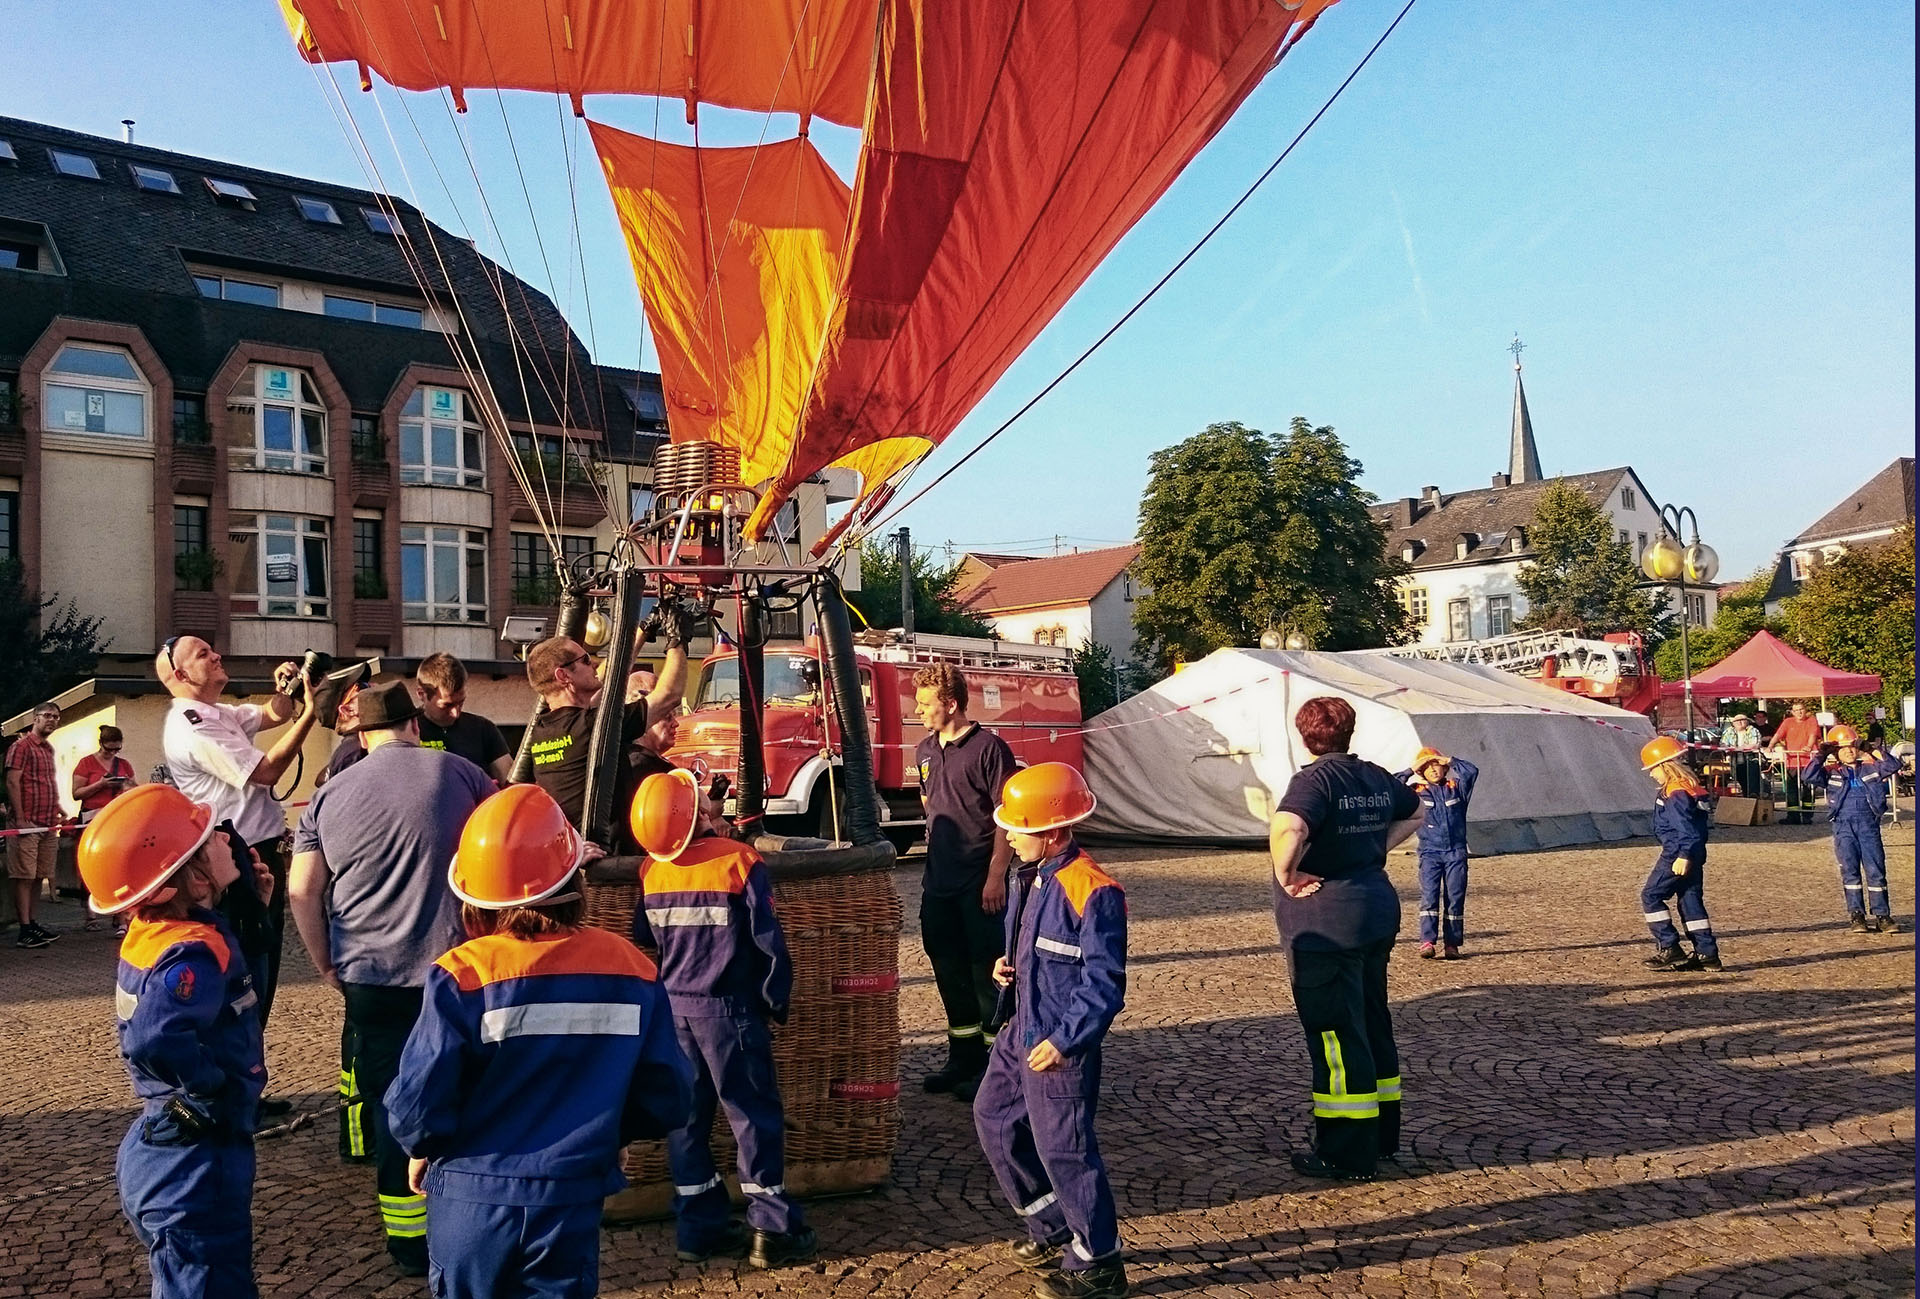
[1389,1088]
[356,1129]
[404,1215]
[1352,1107]
[1336,1063]
[1337,1102]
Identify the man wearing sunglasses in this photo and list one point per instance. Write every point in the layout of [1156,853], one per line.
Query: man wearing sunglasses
[210,751]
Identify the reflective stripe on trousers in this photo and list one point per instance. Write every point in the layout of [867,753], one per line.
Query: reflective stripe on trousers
[1337,1102]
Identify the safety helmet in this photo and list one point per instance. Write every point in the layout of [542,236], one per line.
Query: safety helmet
[1661,748]
[517,850]
[1844,737]
[666,812]
[1425,757]
[1043,797]
[135,844]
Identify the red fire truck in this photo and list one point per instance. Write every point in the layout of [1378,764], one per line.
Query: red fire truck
[1027,694]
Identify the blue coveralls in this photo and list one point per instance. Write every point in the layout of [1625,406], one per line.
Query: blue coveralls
[532,1063]
[724,964]
[1680,822]
[190,1034]
[1443,851]
[1067,941]
[1856,800]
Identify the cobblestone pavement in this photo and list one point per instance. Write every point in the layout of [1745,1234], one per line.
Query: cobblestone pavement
[1577,1125]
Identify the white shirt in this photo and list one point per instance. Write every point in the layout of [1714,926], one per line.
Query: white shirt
[210,752]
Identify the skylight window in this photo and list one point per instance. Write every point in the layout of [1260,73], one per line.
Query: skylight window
[73,164]
[317,210]
[232,191]
[379,222]
[6,152]
[153,179]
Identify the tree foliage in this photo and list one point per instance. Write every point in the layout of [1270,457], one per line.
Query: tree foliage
[46,645]
[1582,578]
[1856,614]
[1099,682]
[1742,612]
[1240,530]
[936,608]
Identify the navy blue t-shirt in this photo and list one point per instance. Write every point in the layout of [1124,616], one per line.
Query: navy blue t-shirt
[961,782]
[1348,805]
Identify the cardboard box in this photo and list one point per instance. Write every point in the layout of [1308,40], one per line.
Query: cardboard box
[1737,811]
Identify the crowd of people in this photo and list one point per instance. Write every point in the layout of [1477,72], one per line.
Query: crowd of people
[496,1055]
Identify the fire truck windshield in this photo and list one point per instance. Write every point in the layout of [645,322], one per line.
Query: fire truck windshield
[793,681]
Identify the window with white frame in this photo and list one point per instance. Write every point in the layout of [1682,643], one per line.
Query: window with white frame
[252,292]
[91,389]
[278,563]
[1697,609]
[1499,615]
[1800,564]
[373,311]
[534,579]
[288,431]
[1414,600]
[443,574]
[639,502]
[1459,620]
[439,445]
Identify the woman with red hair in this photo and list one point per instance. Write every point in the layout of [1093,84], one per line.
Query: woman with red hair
[1338,914]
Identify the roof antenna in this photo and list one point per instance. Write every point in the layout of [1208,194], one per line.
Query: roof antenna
[126,130]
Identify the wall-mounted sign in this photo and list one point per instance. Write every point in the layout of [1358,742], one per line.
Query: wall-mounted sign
[443,403]
[278,383]
[282,568]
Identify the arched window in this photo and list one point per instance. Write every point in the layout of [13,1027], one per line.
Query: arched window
[288,431]
[98,390]
[439,445]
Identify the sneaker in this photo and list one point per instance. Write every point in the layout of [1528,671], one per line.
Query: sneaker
[1858,923]
[1672,959]
[1314,1166]
[51,935]
[1888,925]
[730,1243]
[1450,954]
[779,1248]
[1708,963]
[1036,1255]
[1101,1281]
[30,937]
[1426,951]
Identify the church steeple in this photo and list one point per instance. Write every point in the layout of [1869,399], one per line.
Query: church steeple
[1523,458]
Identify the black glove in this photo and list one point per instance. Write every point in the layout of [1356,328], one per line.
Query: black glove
[678,624]
[650,626]
[195,1122]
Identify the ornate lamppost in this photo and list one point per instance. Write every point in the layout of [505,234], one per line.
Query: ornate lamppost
[1666,561]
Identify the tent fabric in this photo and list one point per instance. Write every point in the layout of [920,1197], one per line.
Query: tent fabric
[1206,754]
[1766,667]
[737,345]
[810,57]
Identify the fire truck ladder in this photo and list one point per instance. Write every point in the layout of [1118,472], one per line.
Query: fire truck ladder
[1524,652]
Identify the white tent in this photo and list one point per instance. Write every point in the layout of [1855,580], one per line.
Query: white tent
[1207,753]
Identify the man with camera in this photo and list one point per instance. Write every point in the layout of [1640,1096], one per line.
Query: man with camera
[211,755]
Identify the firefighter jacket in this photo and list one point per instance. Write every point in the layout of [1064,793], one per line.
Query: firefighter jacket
[710,915]
[1067,943]
[188,1028]
[1856,793]
[1680,822]
[1443,829]
[532,1063]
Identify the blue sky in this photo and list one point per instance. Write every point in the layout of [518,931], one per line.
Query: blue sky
[1699,218]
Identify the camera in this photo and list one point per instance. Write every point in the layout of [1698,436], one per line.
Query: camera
[313,663]
[333,684]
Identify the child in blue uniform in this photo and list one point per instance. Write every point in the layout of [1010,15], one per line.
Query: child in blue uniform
[190,1036]
[1063,980]
[707,907]
[541,1049]
[1444,785]
[1680,822]
[1857,786]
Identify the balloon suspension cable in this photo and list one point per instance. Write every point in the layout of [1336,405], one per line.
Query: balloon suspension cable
[856,535]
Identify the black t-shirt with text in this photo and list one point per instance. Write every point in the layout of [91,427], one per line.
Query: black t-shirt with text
[471,737]
[1348,804]
[561,739]
[961,781]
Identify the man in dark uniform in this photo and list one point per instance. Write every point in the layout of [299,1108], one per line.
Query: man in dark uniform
[1338,914]
[962,767]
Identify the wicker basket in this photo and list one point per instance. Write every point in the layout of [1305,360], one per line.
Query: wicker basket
[838,1054]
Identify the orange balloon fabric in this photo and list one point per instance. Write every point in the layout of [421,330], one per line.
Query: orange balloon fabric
[738,344]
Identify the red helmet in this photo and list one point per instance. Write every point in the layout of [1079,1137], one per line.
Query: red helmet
[1843,737]
[666,813]
[517,850]
[137,842]
[1043,797]
[1661,748]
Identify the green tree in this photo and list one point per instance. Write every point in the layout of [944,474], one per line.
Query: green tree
[1582,578]
[936,607]
[1856,614]
[1742,612]
[46,646]
[1099,679]
[1240,530]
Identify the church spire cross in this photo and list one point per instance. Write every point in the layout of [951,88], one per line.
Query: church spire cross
[1516,347]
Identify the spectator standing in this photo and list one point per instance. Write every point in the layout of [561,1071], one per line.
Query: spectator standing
[964,891]
[102,775]
[373,907]
[1338,914]
[1742,741]
[34,813]
[1799,734]
[445,723]
[212,759]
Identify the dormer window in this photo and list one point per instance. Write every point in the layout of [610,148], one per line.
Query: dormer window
[77,165]
[379,222]
[316,210]
[7,154]
[1468,542]
[232,193]
[153,180]
[1517,540]
[1410,551]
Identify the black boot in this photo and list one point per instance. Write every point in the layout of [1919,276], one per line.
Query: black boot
[1857,921]
[1672,959]
[1887,925]
[731,1242]
[1101,1281]
[966,1061]
[779,1248]
[1036,1255]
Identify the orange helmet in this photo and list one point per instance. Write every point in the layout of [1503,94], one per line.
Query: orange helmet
[666,812]
[517,850]
[1426,757]
[137,842]
[1841,737]
[1661,748]
[1043,797]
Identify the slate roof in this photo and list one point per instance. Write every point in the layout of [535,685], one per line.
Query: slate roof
[125,252]
[1489,516]
[1048,581]
[1883,501]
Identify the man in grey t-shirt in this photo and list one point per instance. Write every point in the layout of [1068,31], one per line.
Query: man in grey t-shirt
[369,893]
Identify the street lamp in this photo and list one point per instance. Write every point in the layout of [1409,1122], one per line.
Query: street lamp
[1284,636]
[1666,561]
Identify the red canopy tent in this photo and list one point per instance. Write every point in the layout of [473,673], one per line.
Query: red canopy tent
[1766,667]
